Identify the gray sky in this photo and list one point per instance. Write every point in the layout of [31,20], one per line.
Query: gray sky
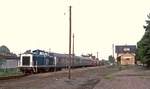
[97,24]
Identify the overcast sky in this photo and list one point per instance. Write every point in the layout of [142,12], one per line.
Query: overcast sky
[97,24]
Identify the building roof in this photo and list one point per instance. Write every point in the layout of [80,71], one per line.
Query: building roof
[125,48]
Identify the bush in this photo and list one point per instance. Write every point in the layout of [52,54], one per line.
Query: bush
[10,72]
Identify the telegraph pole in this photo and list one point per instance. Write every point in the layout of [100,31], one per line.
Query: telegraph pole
[69,74]
[97,55]
[113,50]
[73,54]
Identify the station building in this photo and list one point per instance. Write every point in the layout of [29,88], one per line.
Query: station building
[125,54]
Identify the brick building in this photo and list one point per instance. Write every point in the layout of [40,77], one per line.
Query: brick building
[125,54]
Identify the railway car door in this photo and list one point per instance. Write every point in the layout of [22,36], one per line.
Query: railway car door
[47,61]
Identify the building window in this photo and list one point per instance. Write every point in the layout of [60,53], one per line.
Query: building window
[126,49]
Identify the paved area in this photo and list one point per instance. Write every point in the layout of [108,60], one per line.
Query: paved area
[127,79]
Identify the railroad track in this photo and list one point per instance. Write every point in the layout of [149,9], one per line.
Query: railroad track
[47,73]
[13,77]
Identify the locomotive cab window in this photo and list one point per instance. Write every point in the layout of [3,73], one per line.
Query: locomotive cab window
[26,60]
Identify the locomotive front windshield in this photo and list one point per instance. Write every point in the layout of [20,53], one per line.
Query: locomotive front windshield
[26,60]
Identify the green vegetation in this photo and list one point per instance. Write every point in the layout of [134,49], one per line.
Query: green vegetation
[113,69]
[110,77]
[111,59]
[143,46]
[2,61]
[104,62]
[9,72]
[4,49]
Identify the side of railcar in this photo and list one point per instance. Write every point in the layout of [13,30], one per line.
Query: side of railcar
[85,61]
[42,61]
[76,62]
[61,61]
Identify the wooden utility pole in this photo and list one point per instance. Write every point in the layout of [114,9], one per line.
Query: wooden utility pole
[113,50]
[97,55]
[73,54]
[69,74]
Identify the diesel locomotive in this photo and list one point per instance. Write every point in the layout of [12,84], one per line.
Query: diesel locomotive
[42,61]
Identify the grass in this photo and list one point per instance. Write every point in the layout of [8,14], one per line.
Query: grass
[110,77]
[113,69]
[9,72]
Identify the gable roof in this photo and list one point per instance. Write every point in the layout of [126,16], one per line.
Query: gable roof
[125,48]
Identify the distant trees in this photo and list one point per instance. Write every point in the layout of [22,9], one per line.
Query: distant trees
[2,63]
[104,62]
[4,49]
[111,59]
[143,46]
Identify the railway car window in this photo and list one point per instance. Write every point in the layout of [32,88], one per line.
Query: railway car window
[42,53]
[25,60]
[51,61]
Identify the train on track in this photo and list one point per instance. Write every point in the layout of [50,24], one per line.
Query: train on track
[42,61]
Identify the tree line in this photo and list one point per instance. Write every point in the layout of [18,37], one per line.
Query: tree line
[143,46]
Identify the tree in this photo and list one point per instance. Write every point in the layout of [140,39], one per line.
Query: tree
[104,62]
[4,49]
[111,59]
[2,63]
[143,46]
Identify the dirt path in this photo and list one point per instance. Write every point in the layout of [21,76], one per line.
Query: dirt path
[132,78]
